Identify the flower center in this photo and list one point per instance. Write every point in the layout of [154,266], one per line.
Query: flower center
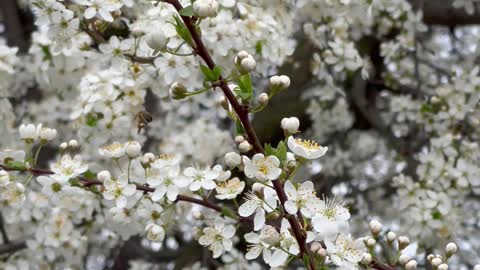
[330,213]
[112,147]
[310,145]
[263,169]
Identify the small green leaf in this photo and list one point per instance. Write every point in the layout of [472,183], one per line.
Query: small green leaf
[426,108]
[241,94]
[186,11]
[269,150]
[217,71]
[245,83]
[92,120]
[17,165]
[239,128]
[89,175]
[208,73]
[306,261]
[281,151]
[436,215]
[182,31]
[244,89]
[259,47]
[226,211]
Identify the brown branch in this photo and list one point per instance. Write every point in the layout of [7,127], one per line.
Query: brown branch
[242,113]
[3,231]
[381,266]
[140,59]
[89,182]
[13,246]
[15,29]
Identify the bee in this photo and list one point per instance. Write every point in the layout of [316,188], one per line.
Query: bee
[143,118]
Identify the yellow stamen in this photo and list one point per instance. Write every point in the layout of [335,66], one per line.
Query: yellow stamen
[310,145]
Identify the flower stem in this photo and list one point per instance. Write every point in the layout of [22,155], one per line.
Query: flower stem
[37,154]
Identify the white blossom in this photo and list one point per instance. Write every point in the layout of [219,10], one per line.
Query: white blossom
[305,148]
[262,168]
[218,237]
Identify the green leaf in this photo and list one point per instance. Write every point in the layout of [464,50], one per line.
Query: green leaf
[244,89]
[281,151]
[92,120]
[427,108]
[436,215]
[269,150]
[306,261]
[182,31]
[208,73]
[259,47]
[186,11]
[226,211]
[17,165]
[239,128]
[89,175]
[217,71]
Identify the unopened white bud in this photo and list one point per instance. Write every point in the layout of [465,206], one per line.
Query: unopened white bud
[430,257]
[133,149]
[178,91]
[367,259]
[239,139]
[240,56]
[370,242]
[233,159]
[247,64]
[451,249]
[436,262]
[391,236]
[29,133]
[404,259]
[411,265]
[278,83]
[157,41]
[73,144]
[476,267]
[205,8]
[104,176]
[322,252]
[244,147]
[375,227]
[315,247]
[149,156]
[290,125]
[443,266]
[263,99]
[145,161]
[403,242]
[47,134]
[63,145]
[285,81]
